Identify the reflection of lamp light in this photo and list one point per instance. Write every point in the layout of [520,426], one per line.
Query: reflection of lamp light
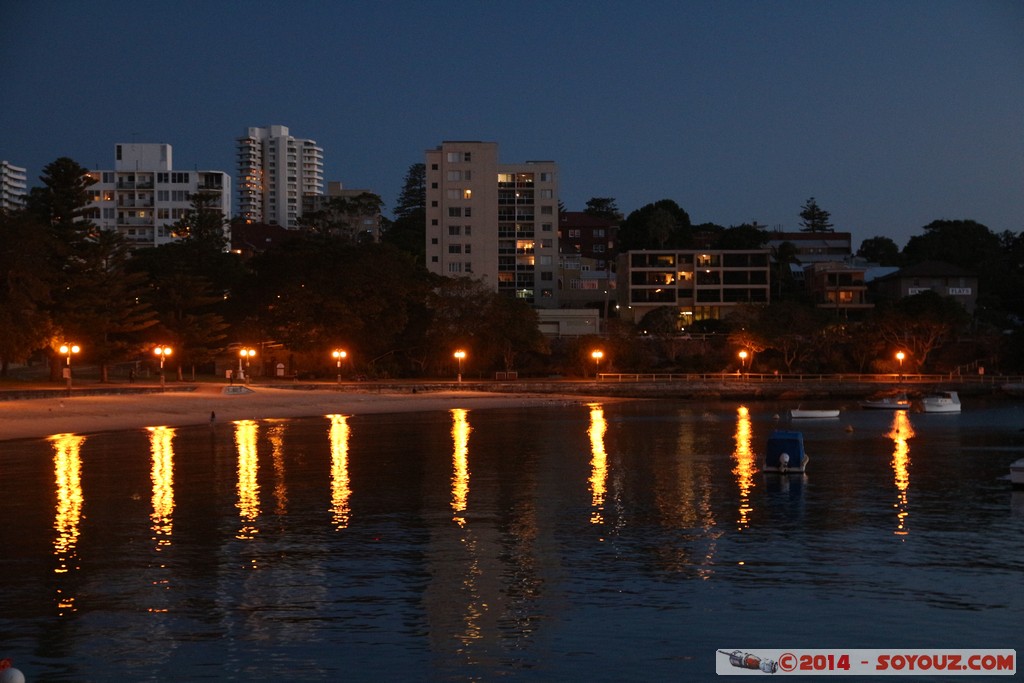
[460,354]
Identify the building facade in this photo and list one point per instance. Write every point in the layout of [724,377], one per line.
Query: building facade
[837,286]
[588,246]
[143,196]
[279,176]
[13,187]
[493,222]
[703,285]
[945,279]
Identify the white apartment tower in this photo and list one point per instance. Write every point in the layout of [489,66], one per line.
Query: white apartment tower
[13,187]
[493,222]
[279,176]
[143,197]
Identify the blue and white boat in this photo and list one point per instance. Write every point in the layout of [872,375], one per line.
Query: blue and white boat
[785,453]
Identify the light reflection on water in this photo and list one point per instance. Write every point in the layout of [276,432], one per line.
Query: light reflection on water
[609,541]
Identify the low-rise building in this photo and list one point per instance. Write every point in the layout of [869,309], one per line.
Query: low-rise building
[837,286]
[703,285]
[942,278]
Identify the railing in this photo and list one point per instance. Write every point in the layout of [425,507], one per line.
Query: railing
[885,378]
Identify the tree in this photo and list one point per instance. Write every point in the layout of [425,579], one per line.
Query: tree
[814,218]
[25,287]
[744,236]
[344,217]
[881,250]
[963,243]
[413,197]
[920,323]
[204,224]
[408,231]
[661,225]
[603,207]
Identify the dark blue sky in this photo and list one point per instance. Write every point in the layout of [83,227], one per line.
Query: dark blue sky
[890,114]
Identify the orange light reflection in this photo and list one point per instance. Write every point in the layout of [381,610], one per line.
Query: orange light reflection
[901,431]
[248,483]
[745,467]
[162,474]
[598,463]
[460,463]
[340,490]
[67,465]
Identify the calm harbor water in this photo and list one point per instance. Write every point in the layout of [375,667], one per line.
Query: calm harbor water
[606,542]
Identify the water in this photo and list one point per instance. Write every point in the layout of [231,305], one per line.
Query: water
[616,542]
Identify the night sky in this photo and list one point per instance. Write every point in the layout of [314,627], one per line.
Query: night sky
[890,114]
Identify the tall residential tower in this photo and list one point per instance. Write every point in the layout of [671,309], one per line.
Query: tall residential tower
[279,176]
[493,222]
[13,188]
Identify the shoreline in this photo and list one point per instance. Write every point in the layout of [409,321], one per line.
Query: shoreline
[39,418]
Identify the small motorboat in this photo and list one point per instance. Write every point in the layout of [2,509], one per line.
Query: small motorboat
[785,453]
[1017,473]
[897,402]
[941,402]
[804,413]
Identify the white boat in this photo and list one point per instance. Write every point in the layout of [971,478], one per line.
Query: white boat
[941,402]
[801,413]
[898,402]
[1017,473]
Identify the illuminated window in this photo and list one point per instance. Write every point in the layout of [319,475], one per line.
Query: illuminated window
[467,194]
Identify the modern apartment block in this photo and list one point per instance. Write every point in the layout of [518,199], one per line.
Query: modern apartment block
[493,222]
[144,196]
[279,176]
[13,187]
[703,285]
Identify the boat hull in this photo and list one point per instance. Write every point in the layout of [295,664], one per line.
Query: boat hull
[803,414]
[946,402]
[1017,473]
[785,453]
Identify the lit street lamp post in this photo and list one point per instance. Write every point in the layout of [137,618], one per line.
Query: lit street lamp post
[900,356]
[162,352]
[460,355]
[597,356]
[247,354]
[68,349]
[743,360]
[339,355]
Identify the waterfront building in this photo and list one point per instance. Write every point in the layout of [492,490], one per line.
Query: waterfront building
[143,196]
[588,246]
[945,279]
[13,186]
[837,286]
[279,176]
[702,285]
[493,222]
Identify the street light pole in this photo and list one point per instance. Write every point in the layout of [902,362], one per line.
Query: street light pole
[743,361]
[69,349]
[460,355]
[162,352]
[339,355]
[900,356]
[597,356]
[246,354]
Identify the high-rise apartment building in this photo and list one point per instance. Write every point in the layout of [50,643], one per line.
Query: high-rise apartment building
[493,222]
[144,196]
[279,176]
[13,187]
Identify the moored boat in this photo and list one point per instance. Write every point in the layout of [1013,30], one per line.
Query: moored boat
[898,402]
[941,402]
[803,413]
[1017,473]
[785,453]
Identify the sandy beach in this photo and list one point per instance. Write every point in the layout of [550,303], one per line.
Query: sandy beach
[42,417]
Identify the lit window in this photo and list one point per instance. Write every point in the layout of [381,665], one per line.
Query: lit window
[467,194]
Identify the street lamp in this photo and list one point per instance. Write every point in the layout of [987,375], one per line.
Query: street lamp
[339,355]
[460,355]
[900,356]
[597,356]
[162,352]
[68,349]
[247,354]
[743,360]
